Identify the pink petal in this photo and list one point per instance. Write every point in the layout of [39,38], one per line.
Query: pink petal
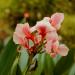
[48,25]
[52,47]
[48,47]
[19,29]
[56,20]
[43,27]
[63,50]
[26,29]
[17,39]
[55,46]
[18,34]
[52,36]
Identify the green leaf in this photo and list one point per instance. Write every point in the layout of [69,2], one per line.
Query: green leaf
[49,65]
[7,57]
[45,65]
[40,64]
[64,63]
[14,67]
[72,70]
[23,61]
[56,59]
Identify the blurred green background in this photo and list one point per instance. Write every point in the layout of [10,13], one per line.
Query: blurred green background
[16,11]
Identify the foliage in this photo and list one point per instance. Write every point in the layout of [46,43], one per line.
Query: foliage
[7,57]
[46,65]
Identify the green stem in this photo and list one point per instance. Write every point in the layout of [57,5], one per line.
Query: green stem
[25,72]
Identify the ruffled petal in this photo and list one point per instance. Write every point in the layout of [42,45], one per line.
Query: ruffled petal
[52,36]
[56,20]
[18,34]
[19,29]
[48,47]
[55,46]
[17,39]
[63,50]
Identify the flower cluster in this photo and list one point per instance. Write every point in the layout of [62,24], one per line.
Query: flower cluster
[43,36]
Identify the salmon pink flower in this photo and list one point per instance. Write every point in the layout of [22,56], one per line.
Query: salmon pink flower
[41,36]
[23,34]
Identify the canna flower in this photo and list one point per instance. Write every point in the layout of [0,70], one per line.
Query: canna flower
[23,34]
[22,31]
[19,36]
[43,36]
